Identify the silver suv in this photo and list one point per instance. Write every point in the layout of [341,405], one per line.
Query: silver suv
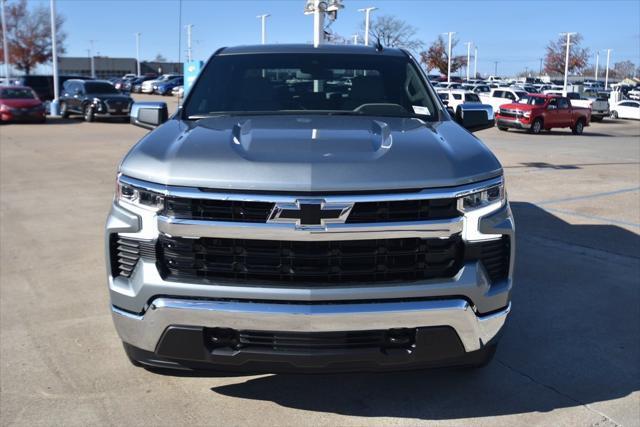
[310,209]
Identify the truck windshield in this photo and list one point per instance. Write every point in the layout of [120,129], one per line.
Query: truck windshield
[314,83]
[535,100]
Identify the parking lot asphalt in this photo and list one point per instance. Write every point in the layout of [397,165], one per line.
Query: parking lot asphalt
[570,354]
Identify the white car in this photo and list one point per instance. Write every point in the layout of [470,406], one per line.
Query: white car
[599,106]
[627,109]
[455,97]
[502,95]
[451,85]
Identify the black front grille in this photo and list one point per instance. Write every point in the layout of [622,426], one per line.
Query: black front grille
[510,113]
[258,212]
[125,254]
[290,263]
[312,342]
[403,210]
[494,254]
[217,210]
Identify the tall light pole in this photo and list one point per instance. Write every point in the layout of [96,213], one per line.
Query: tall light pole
[355,39]
[263,23]
[189,50]
[54,60]
[566,62]
[5,42]
[468,57]
[367,19]
[93,63]
[450,33]
[606,76]
[138,52]
[495,71]
[475,62]
[595,76]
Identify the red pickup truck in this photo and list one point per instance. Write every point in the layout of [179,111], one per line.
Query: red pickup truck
[538,112]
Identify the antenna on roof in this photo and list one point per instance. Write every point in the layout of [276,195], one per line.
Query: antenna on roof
[378,45]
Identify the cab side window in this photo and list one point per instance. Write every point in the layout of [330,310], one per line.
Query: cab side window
[553,102]
[563,103]
[510,96]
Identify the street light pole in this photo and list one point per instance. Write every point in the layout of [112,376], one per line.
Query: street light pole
[93,64]
[54,60]
[450,33]
[367,18]
[606,76]
[597,61]
[495,71]
[189,28]
[566,62]
[468,58]
[138,53]
[263,18]
[5,42]
[475,62]
[355,39]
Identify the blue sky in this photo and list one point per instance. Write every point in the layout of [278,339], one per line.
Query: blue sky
[514,33]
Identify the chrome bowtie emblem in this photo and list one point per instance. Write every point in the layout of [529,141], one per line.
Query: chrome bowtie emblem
[310,213]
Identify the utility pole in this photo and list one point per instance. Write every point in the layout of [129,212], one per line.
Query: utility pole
[189,28]
[566,62]
[367,18]
[597,61]
[263,19]
[138,52]
[606,76]
[54,60]
[475,62]
[93,64]
[450,33]
[5,43]
[468,58]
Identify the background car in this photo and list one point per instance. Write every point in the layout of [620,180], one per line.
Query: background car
[178,91]
[456,97]
[20,103]
[147,87]
[92,99]
[165,88]
[627,109]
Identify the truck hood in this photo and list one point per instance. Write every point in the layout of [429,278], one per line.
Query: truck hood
[310,153]
[518,106]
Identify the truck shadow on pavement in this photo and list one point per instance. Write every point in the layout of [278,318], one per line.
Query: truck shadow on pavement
[571,340]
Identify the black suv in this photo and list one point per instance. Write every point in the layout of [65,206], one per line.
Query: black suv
[93,99]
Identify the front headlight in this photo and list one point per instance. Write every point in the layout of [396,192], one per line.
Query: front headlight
[527,114]
[490,196]
[137,196]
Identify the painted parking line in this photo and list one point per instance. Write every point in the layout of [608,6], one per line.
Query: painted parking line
[588,196]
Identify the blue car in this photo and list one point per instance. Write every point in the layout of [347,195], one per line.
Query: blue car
[165,88]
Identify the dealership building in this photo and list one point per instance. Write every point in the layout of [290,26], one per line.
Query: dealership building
[113,67]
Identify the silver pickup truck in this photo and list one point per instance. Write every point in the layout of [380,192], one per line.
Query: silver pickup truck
[310,209]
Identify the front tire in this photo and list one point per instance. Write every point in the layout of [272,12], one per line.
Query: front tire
[578,128]
[64,111]
[502,128]
[536,127]
[88,113]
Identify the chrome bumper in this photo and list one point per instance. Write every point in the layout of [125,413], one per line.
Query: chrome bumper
[145,331]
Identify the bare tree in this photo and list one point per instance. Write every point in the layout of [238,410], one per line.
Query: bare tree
[623,69]
[160,58]
[437,57]
[29,35]
[393,32]
[556,53]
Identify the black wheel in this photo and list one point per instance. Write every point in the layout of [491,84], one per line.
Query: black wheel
[614,114]
[479,358]
[536,126]
[88,113]
[64,112]
[502,128]
[578,128]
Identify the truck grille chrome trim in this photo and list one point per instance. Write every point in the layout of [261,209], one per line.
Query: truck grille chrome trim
[289,231]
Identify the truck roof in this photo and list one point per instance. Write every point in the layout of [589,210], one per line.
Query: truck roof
[309,48]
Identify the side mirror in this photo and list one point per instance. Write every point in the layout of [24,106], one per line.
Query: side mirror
[149,115]
[475,117]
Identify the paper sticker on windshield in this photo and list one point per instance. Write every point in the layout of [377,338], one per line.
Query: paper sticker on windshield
[418,109]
